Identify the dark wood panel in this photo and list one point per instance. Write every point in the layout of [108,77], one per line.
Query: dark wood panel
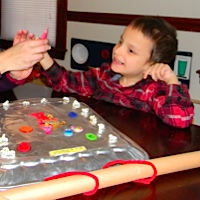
[61,29]
[184,24]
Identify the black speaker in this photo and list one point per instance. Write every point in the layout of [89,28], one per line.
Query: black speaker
[87,53]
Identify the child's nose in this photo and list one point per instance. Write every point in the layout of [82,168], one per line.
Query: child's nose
[118,49]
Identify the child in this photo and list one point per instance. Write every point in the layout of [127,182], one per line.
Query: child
[146,81]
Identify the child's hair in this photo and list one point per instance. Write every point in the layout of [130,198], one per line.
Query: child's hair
[162,34]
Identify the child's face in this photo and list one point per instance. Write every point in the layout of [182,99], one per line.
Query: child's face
[131,55]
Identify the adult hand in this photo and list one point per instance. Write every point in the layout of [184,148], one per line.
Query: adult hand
[21,36]
[23,55]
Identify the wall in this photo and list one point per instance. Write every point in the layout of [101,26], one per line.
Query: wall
[188,41]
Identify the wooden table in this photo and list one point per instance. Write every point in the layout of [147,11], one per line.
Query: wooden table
[158,140]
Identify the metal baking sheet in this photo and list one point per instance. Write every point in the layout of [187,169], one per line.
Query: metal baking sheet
[56,151]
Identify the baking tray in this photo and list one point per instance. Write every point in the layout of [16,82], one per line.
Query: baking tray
[78,139]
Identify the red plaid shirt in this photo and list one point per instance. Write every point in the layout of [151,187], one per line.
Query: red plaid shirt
[171,103]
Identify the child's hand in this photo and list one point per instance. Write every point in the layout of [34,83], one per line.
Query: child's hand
[163,72]
[22,35]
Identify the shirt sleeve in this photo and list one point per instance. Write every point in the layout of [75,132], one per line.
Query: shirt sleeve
[60,79]
[7,82]
[173,106]
[15,81]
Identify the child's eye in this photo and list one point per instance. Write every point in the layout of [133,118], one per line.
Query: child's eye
[131,51]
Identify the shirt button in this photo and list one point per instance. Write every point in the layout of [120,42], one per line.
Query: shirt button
[180,90]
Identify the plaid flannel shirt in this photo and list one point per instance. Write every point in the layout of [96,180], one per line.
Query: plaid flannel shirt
[171,103]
